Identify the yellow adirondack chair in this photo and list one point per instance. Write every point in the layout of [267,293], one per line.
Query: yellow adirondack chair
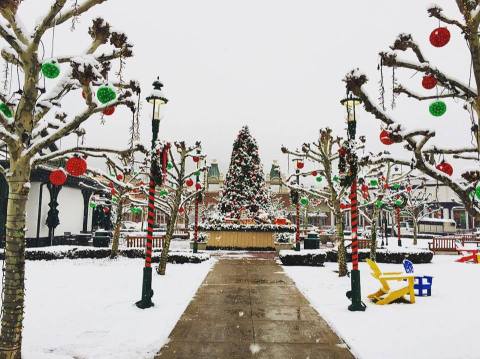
[385,295]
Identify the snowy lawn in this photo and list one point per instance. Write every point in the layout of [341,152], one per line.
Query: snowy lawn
[441,326]
[85,308]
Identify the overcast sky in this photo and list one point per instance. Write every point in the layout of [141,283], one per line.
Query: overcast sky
[275,65]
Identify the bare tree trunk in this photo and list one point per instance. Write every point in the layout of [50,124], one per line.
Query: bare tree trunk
[342,253]
[415,231]
[14,275]
[170,229]
[373,239]
[116,232]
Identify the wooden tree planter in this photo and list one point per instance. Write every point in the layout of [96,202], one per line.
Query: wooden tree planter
[246,240]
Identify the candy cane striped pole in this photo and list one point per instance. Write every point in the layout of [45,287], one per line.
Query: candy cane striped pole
[354,220]
[150,222]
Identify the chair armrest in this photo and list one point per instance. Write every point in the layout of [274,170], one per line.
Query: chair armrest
[390,273]
[396,277]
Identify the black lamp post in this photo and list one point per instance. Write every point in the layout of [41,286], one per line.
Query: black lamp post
[157,99]
[350,179]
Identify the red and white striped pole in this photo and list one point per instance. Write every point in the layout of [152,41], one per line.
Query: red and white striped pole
[399,236]
[354,220]
[195,229]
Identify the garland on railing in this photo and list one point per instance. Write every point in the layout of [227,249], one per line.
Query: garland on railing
[247,227]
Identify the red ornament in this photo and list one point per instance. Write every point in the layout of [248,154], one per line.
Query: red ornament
[195,159]
[108,111]
[120,177]
[342,151]
[113,191]
[189,182]
[58,177]
[440,37]
[385,137]
[386,186]
[429,82]
[198,186]
[181,210]
[106,210]
[364,188]
[342,206]
[110,184]
[409,189]
[300,165]
[76,166]
[314,173]
[445,167]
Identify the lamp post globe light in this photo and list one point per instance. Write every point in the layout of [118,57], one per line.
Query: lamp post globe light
[157,99]
[349,178]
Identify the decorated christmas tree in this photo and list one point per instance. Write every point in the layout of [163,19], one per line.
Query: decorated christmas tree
[245,192]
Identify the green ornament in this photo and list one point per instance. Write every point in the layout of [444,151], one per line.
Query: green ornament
[437,108]
[319,179]
[92,205]
[374,183]
[304,201]
[396,186]
[336,178]
[477,191]
[114,199]
[169,165]
[6,110]
[379,203]
[50,70]
[398,202]
[163,192]
[106,94]
[197,173]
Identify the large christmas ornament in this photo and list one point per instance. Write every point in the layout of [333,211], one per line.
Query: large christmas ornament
[120,177]
[385,137]
[108,111]
[169,165]
[440,37]
[319,179]
[6,110]
[195,159]
[76,166]
[429,82]
[181,210]
[106,210]
[438,108]
[396,186]
[57,177]
[189,182]
[198,186]
[445,167]
[314,173]
[50,70]
[477,191]
[300,165]
[374,183]
[92,205]
[304,201]
[379,203]
[106,94]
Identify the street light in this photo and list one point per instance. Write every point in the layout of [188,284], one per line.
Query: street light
[157,99]
[350,179]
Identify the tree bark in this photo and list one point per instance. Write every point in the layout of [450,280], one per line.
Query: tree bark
[116,232]
[373,237]
[170,229]
[415,231]
[342,253]
[14,275]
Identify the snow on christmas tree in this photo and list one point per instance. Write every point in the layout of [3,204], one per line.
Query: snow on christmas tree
[244,189]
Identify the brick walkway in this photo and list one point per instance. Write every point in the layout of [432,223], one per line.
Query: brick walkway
[248,308]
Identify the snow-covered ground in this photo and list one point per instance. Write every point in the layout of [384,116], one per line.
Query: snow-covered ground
[85,308]
[442,326]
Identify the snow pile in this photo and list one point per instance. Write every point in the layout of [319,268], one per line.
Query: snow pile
[438,327]
[85,308]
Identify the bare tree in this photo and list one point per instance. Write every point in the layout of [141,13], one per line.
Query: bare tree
[31,121]
[416,140]
[324,152]
[177,197]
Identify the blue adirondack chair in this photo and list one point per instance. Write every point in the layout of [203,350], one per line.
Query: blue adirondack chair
[423,284]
